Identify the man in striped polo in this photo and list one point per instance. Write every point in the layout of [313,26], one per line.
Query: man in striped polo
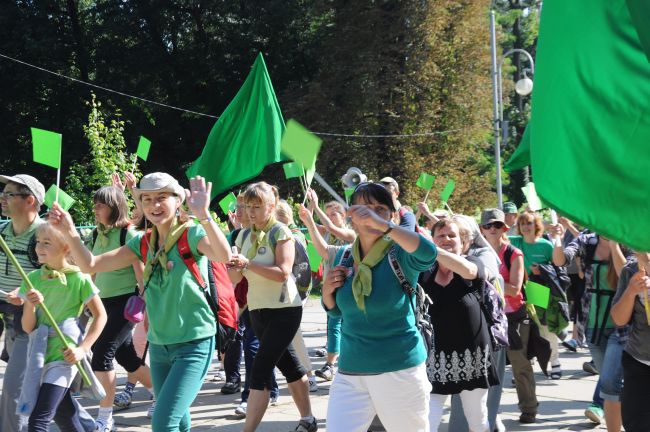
[21,199]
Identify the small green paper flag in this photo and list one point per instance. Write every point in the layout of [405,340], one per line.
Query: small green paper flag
[228,203]
[537,294]
[425,181]
[448,190]
[300,145]
[292,170]
[309,174]
[348,194]
[143,148]
[65,200]
[46,147]
[314,258]
[532,198]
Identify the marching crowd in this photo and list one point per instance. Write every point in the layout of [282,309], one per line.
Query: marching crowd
[420,306]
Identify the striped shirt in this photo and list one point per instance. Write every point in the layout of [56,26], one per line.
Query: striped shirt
[9,277]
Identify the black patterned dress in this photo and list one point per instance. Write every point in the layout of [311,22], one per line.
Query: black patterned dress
[462,354]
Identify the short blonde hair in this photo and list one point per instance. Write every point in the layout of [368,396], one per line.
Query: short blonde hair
[336,206]
[47,228]
[284,212]
[261,192]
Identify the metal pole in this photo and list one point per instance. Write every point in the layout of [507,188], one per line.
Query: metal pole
[495,101]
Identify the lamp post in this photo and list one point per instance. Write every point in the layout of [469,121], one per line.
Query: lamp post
[523,87]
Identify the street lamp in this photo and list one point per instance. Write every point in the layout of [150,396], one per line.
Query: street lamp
[523,87]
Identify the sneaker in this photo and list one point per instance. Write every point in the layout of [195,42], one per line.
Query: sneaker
[307,426]
[104,425]
[122,400]
[273,401]
[320,352]
[595,413]
[151,410]
[556,372]
[313,386]
[590,367]
[498,425]
[527,418]
[326,372]
[231,387]
[571,345]
[219,376]
[240,411]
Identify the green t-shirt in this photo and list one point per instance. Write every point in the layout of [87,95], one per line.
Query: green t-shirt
[116,282]
[176,306]
[534,253]
[600,282]
[63,302]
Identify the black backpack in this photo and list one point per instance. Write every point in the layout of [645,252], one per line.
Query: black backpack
[301,269]
[123,232]
[31,250]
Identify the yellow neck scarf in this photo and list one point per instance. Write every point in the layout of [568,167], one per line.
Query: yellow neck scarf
[160,255]
[362,282]
[102,235]
[48,273]
[257,236]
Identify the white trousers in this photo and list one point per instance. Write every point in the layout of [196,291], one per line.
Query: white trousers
[553,340]
[474,406]
[400,399]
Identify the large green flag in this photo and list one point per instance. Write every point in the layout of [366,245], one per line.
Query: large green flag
[247,136]
[590,147]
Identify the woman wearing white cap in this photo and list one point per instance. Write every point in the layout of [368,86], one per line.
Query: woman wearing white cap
[181,324]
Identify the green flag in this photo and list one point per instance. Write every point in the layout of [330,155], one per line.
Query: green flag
[532,198]
[589,146]
[292,170]
[425,181]
[314,258]
[246,138]
[537,294]
[448,190]
[520,158]
[300,144]
[143,148]
[348,194]
[46,147]
[65,200]
[228,203]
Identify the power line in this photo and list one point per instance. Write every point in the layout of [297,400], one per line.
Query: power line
[331,134]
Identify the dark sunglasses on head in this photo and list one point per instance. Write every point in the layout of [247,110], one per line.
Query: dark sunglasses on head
[497,225]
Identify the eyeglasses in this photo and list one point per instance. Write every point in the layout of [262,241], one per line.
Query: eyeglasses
[497,225]
[7,195]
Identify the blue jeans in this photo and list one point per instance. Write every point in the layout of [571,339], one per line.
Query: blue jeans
[457,420]
[251,344]
[177,373]
[607,357]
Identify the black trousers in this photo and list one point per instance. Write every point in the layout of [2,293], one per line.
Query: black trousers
[636,394]
[55,403]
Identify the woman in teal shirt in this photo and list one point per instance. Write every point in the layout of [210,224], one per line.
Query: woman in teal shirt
[181,324]
[377,313]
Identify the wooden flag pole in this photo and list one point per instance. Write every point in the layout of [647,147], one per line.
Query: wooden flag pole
[427,195]
[58,182]
[45,310]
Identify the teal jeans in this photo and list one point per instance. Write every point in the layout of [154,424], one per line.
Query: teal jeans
[177,372]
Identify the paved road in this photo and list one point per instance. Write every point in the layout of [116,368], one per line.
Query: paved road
[562,402]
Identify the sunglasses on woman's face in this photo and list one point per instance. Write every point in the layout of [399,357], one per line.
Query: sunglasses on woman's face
[497,225]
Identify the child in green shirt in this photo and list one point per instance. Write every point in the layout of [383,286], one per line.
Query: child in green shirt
[65,291]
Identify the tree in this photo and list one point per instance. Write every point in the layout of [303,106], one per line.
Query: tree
[106,155]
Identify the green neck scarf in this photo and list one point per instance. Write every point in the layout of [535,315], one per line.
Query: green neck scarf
[102,235]
[48,273]
[160,256]
[257,236]
[362,282]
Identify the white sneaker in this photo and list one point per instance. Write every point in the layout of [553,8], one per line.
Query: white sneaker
[151,409]
[273,401]
[313,386]
[219,376]
[500,427]
[240,411]
[104,425]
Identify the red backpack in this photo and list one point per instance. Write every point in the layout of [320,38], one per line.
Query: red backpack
[219,292]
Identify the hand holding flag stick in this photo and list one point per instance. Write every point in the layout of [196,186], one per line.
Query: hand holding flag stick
[44,308]
[643,263]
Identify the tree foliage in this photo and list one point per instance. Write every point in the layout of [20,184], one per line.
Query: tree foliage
[381,67]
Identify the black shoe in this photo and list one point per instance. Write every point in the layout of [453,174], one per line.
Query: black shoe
[527,418]
[306,426]
[231,387]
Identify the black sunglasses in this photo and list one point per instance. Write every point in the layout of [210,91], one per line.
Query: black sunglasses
[497,225]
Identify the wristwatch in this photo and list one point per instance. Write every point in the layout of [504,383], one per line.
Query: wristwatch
[391,225]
